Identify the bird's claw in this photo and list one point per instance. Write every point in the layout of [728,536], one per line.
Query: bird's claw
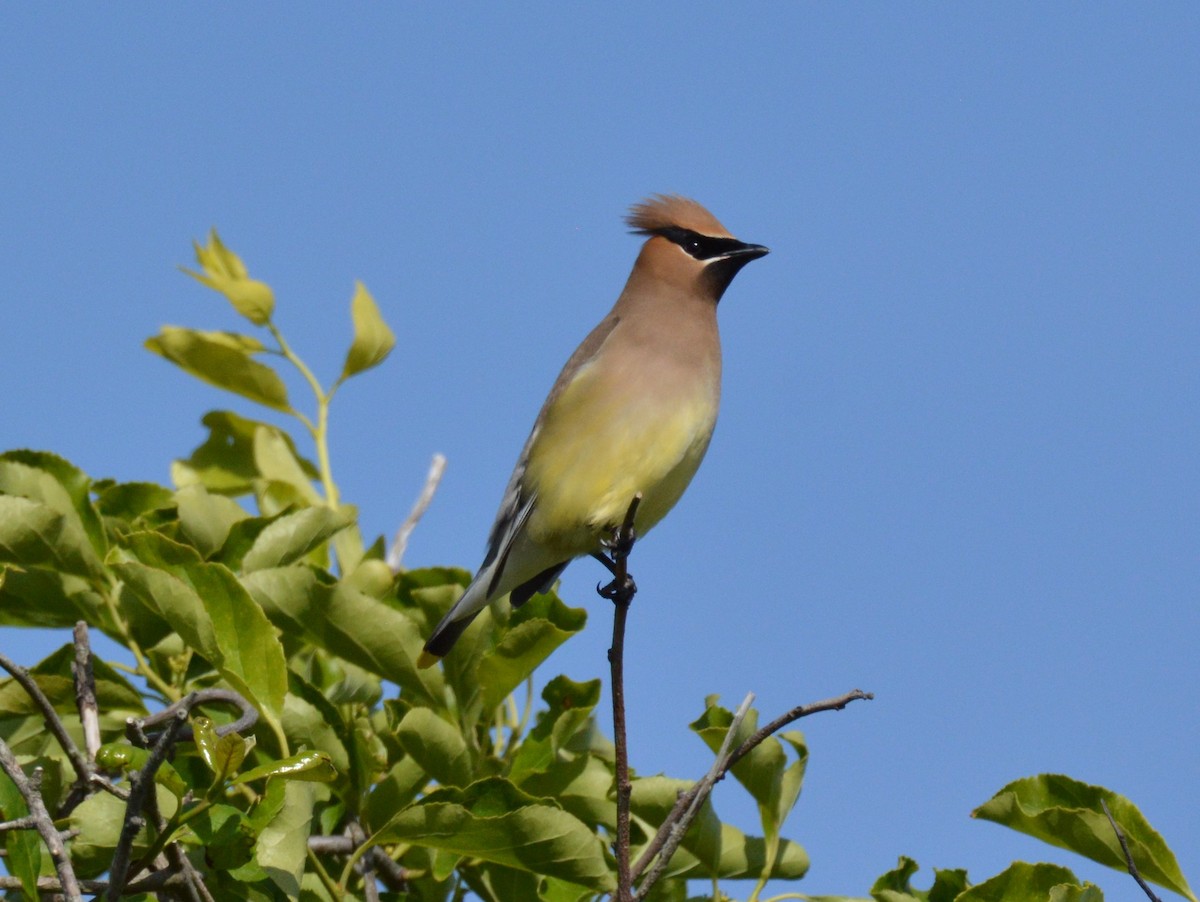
[617,589]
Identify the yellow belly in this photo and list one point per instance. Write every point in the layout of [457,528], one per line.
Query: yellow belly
[597,448]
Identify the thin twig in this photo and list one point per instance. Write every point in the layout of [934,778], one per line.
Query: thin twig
[31,791]
[142,784]
[669,840]
[156,881]
[79,761]
[1133,871]
[693,799]
[85,691]
[395,554]
[621,591]
[203,696]
[391,873]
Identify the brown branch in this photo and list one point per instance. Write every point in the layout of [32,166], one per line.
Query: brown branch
[31,791]
[621,591]
[1133,871]
[674,827]
[395,555]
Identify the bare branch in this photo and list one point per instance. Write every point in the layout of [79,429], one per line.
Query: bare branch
[1133,871]
[395,555]
[194,699]
[80,762]
[694,798]
[85,691]
[31,791]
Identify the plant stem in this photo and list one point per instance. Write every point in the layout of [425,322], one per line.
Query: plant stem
[320,432]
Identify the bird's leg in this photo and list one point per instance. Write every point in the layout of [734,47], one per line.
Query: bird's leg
[622,588]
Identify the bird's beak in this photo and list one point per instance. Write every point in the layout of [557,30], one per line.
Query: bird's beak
[745,252]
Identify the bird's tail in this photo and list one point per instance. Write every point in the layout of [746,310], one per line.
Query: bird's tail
[443,639]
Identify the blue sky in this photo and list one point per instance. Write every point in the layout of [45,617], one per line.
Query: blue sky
[957,459]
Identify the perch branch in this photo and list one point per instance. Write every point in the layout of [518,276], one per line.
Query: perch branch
[395,554]
[621,591]
[1133,871]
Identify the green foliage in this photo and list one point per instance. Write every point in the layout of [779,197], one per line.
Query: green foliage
[249,574]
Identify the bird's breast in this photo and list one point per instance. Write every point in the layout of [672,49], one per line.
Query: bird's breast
[611,433]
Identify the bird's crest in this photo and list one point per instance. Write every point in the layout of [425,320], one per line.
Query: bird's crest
[666,211]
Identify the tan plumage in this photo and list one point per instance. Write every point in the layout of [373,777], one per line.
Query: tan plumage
[632,411]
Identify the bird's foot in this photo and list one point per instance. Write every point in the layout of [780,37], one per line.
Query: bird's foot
[619,590]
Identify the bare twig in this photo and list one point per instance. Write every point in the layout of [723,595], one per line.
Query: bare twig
[85,691]
[192,700]
[621,591]
[31,791]
[395,555]
[694,798]
[1133,871]
[141,785]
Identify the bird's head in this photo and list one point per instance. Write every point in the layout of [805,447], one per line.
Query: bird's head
[687,245]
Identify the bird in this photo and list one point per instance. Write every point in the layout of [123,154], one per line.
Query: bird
[632,412]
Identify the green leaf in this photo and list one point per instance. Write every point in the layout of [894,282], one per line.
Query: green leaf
[206,519]
[99,819]
[223,271]
[373,340]
[534,631]
[313,767]
[283,843]
[216,616]
[276,460]
[437,746]
[652,800]
[47,598]
[225,462]
[291,537]
[222,359]
[24,847]
[226,835]
[896,884]
[1022,882]
[569,708]
[364,630]
[129,501]
[1067,813]
[73,497]
[223,754]
[54,676]
[494,821]
[33,534]
[764,772]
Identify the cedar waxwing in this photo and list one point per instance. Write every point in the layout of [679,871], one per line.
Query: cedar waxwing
[632,411]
